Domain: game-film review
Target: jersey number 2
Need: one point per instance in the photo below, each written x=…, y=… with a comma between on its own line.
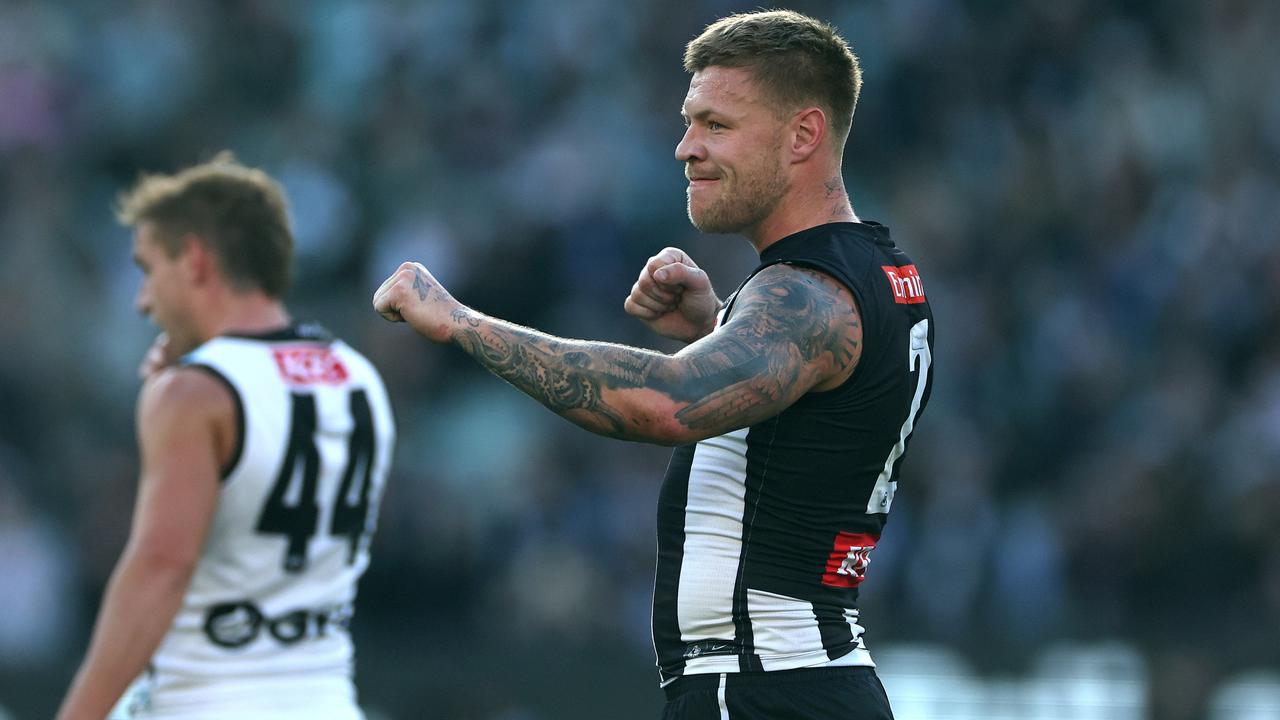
x=919, y=358
x=291, y=508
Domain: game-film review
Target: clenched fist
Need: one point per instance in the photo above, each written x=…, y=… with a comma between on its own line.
x=673, y=296
x=413, y=296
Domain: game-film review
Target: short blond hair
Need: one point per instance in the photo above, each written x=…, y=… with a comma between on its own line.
x=239, y=212
x=793, y=57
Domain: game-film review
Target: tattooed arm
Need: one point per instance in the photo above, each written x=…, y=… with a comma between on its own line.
x=793, y=330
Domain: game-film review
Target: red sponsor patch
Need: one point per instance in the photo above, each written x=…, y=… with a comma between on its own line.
x=310, y=365
x=847, y=565
x=905, y=281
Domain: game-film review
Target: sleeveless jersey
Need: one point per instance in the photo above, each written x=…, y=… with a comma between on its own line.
x=273, y=592
x=765, y=533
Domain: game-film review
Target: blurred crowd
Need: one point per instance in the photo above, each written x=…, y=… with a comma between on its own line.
x=1091, y=190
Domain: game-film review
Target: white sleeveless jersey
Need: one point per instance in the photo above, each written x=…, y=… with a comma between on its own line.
x=269, y=603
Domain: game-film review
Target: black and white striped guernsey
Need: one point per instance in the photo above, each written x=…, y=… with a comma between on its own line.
x=764, y=533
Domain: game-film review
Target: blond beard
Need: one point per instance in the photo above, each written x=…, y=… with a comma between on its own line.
x=745, y=209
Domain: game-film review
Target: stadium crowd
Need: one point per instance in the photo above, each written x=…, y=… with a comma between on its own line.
x=1091, y=191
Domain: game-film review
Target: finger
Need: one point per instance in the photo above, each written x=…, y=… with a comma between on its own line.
x=676, y=255
x=651, y=305
x=635, y=309
x=147, y=367
x=686, y=277
x=384, y=305
x=405, y=271
x=665, y=257
x=388, y=313
x=391, y=279
x=648, y=287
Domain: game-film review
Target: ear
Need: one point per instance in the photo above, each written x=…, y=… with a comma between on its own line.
x=198, y=263
x=808, y=131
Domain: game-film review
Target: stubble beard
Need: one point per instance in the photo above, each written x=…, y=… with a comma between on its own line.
x=738, y=212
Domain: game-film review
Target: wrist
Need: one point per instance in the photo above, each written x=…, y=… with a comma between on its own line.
x=462, y=321
x=712, y=317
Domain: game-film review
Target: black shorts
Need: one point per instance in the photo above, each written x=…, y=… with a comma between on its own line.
x=834, y=693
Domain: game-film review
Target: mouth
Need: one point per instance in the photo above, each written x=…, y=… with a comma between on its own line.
x=702, y=182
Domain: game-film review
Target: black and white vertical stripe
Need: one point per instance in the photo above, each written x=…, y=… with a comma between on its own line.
x=707, y=619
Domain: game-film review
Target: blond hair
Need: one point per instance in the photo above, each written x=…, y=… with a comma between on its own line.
x=794, y=58
x=238, y=212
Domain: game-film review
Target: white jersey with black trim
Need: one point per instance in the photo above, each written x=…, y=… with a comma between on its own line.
x=265, y=617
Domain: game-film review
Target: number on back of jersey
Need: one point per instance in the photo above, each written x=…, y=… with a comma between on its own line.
x=292, y=510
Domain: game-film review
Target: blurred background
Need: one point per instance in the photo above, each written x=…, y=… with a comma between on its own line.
x=1088, y=523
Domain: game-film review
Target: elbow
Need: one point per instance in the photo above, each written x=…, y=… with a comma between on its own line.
x=671, y=432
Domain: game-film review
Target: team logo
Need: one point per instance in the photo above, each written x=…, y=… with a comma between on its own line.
x=847, y=564
x=905, y=281
x=310, y=366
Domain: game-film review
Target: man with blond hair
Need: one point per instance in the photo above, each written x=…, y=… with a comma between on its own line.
x=264, y=448
x=792, y=405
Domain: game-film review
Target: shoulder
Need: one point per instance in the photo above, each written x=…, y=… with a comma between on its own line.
x=185, y=391
x=795, y=292
x=808, y=309
x=353, y=357
x=800, y=282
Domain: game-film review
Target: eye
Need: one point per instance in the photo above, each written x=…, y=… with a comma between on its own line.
x=713, y=125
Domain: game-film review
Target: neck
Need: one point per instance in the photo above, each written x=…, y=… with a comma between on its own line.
x=241, y=312
x=809, y=203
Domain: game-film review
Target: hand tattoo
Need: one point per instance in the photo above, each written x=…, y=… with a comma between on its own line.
x=421, y=284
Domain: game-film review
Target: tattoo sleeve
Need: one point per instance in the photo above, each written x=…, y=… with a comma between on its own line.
x=792, y=329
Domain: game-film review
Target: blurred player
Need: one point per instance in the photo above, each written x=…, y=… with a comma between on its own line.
x=264, y=447
x=792, y=405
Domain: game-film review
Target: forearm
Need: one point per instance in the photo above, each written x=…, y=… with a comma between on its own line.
x=609, y=389
x=141, y=600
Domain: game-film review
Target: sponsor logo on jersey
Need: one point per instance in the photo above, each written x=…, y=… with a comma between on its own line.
x=236, y=624
x=708, y=647
x=847, y=564
x=905, y=281
x=233, y=625
x=310, y=366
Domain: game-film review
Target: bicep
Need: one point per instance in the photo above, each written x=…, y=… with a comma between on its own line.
x=792, y=331
x=178, y=428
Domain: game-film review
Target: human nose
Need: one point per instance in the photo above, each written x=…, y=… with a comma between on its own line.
x=690, y=148
x=142, y=301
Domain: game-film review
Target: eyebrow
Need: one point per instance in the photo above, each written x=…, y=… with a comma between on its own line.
x=701, y=114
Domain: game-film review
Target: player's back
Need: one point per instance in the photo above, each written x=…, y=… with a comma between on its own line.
x=263, y=625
